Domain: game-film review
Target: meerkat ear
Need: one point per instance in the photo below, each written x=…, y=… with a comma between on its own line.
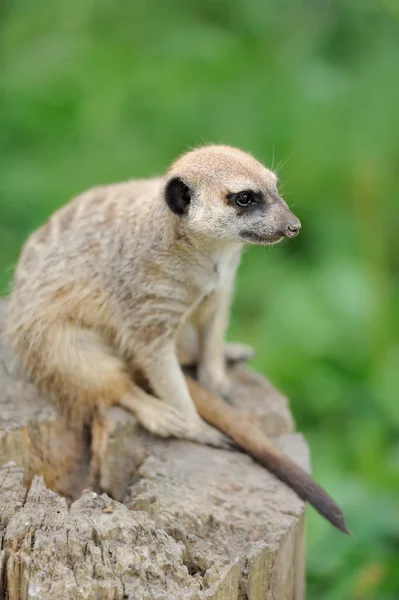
x=178, y=196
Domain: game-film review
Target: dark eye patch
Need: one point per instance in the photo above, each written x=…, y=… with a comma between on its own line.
x=244, y=198
x=245, y=201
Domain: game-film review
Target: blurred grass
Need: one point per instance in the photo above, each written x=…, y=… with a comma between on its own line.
x=94, y=92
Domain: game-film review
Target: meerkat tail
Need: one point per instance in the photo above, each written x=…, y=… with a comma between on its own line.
x=247, y=435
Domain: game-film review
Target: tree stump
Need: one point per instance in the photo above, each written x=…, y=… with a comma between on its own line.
x=178, y=521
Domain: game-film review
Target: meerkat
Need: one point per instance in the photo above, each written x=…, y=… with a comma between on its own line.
x=103, y=290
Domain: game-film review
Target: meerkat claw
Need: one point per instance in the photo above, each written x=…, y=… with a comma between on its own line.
x=210, y=436
x=227, y=399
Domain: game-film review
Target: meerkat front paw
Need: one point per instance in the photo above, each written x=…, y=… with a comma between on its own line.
x=217, y=382
x=216, y=379
x=236, y=353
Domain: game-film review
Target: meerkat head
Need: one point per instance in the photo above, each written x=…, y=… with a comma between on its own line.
x=222, y=193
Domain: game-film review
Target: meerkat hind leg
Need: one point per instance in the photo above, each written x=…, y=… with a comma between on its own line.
x=99, y=443
x=153, y=414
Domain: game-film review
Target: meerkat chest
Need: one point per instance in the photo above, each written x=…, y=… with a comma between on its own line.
x=223, y=268
x=220, y=271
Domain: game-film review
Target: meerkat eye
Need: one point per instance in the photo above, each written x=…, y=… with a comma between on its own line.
x=244, y=198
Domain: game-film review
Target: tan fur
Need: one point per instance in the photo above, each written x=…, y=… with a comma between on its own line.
x=104, y=288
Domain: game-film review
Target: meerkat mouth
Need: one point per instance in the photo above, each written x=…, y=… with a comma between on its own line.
x=256, y=238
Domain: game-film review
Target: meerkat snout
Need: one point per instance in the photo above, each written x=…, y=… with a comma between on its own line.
x=270, y=222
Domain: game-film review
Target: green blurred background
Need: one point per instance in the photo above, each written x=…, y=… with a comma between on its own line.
x=95, y=91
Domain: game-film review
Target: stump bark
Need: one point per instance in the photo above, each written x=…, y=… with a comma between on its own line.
x=178, y=520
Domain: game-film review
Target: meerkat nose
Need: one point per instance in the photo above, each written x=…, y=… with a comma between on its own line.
x=293, y=229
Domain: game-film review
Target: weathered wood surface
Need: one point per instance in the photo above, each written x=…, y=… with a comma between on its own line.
x=180, y=521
